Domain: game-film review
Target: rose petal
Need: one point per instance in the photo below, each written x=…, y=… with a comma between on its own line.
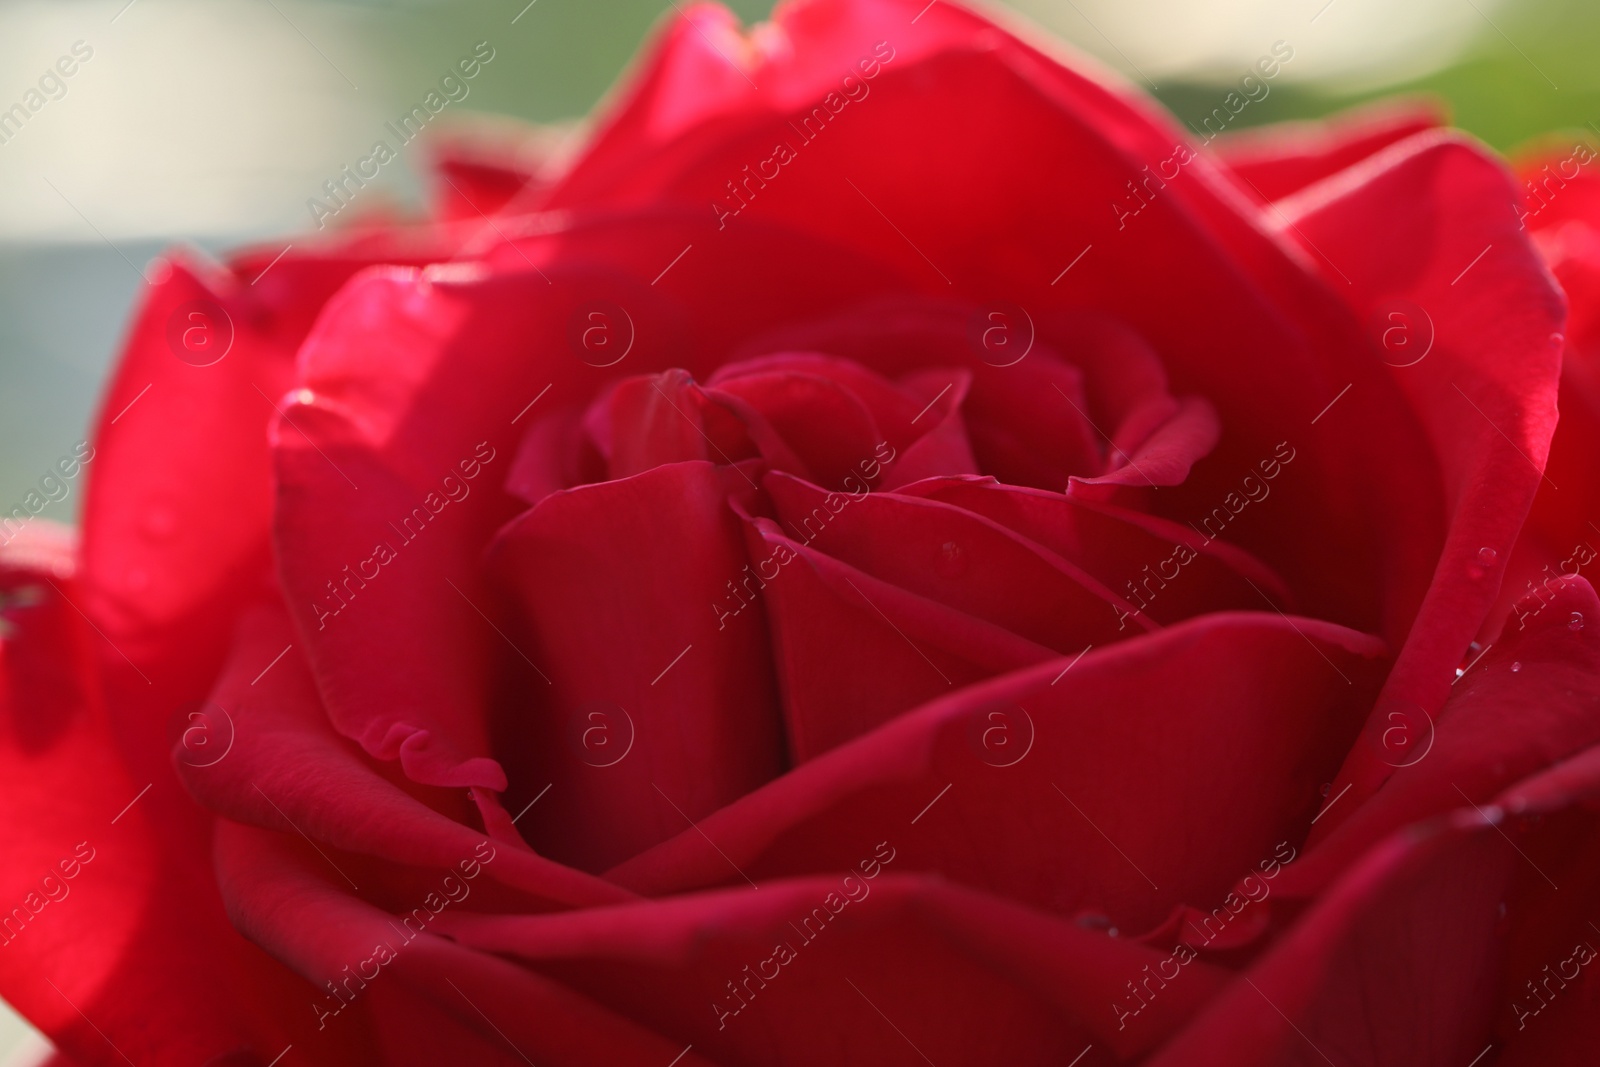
x=648, y=421
x=380, y=513
x=905, y=648
x=945, y=448
x=1438, y=944
x=1128, y=800
x=1251, y=326
x=646, y=695
x=1394, y=965
x=994, y=982
x=1489, y=415
x=177, y=511
x=827, y=427
x=1532, y=700
x=1282, y=158
x=109, y=914
x=284, y=768
x=1127, y=551
x=330, y=936
x=955, y=557
x=1165, y=441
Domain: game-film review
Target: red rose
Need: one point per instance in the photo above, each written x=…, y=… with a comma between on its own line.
x=894, y=552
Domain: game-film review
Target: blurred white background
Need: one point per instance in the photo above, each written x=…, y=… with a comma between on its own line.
x=217, y=119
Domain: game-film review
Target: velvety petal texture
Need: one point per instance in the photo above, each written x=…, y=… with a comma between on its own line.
x=881, y=548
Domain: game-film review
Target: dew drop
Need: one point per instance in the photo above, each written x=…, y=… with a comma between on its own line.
x=160, y=523
x=1575, y=621
x=1093, y=920
x=1327, y=787
x=951, y=561
x=25, y=596
x=1487, y=556
x=1515, y=667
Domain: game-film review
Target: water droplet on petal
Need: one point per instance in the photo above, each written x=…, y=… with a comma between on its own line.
x=1327, y=787
x=160, y=523
x=25, y=596
x=1575, y=622
x=1487, y=556
x=1093, y=920
x=1515, y=667
x=951, y=561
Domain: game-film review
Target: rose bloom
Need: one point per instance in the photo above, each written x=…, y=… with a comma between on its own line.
x=889, y=549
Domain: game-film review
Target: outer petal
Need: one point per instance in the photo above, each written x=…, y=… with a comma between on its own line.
x=177, y=515
x=1547, y=1017
x=1563, y=214
x=962, y=976
x=383, y=507
x=484, y=1004
x=1487, y=392
x=179, y=500
x=1396, y=965
x=1448, y=940
x=284, y=768
x=1531, y=701
x=1282, y=158
x=112, y=930
x=1435, y=907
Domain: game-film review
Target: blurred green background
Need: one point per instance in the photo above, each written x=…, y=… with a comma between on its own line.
x=1528, y=68
x=212, y=121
